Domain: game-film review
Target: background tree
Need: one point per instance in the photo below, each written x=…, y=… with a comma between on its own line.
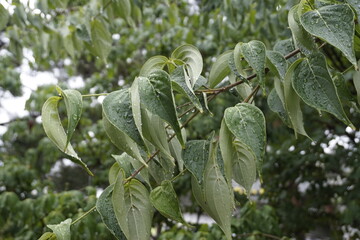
x=106, y=44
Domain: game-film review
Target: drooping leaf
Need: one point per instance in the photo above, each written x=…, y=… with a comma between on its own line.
x=74, y=105
x=247, y=123
x=220, y=69
x=132, y=207
x=181, y=83
x=277, y=63
x=154, y=131
x=313, y=83
x=62, y=230
x=325, y=24
x=120, y=124
x=55, y=131
x=195, y=156
x=101, y=39
x=4, y=17
x=276, y=105
x=156, y=95
x=254, y=53
x=105, y=208
x=176, y=152
x=153, y=63
x=302, y=38
x=135, y=105
x=356, y=80
x=192, y=59
x=292, y=101
x=218, y=196
x=239, y=160
x=165, y=200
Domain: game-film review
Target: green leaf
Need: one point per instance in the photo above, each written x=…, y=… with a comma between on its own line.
x=4, y=17
x=220, y=69
x=176, y=152
x=254, y=53
x=124, y=161
x=356, y=5
x=195, y=156
x=247, y=123
x=192, y=59
x=334, y=24
x=302, y=39
x=133, y=209
x=122, y=8
x=292, y=101
x=105, y=209
x=136, y=106
x=48, y=236
x=154, y=131
x=120, y=125
x=239, y=160
x=62, y=230
x=156, y=95
x=218, y=196
x=161, y=168
x=74, y=105
x=113, y=172
x=165, y=200
x=55, y=131
x=276, y=105
x=277, y=63
x=101, y=39
x=313, y=83
x=69, y=45
x=153, y=63
x=181, y=83
x=356, y=80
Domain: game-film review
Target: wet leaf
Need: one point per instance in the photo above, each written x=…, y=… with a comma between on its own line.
x=312, y=82
x=74, y=105
x=133, y=209
x=154, y=131
x=165, y=200
x=334, y=24
x=302, y=38
x=254, y=53
x=220, y=69
x=120, y=125
x=276, y=105
x=156, y=96
x=105, y=209
x=292, y=101
x=195, y=156
x=247, y=123
x=239, y=160
x=277, y=63
x=55, y=131
x=192, y=59
x=62, y=230
x=153, y=63
x=181, y=83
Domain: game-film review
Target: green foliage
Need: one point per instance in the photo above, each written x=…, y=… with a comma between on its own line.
x=169, y=152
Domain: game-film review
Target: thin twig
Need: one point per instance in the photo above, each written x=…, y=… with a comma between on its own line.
x=84, y=215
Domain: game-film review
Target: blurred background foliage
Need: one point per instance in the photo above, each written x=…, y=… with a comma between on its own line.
x=310, y=188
